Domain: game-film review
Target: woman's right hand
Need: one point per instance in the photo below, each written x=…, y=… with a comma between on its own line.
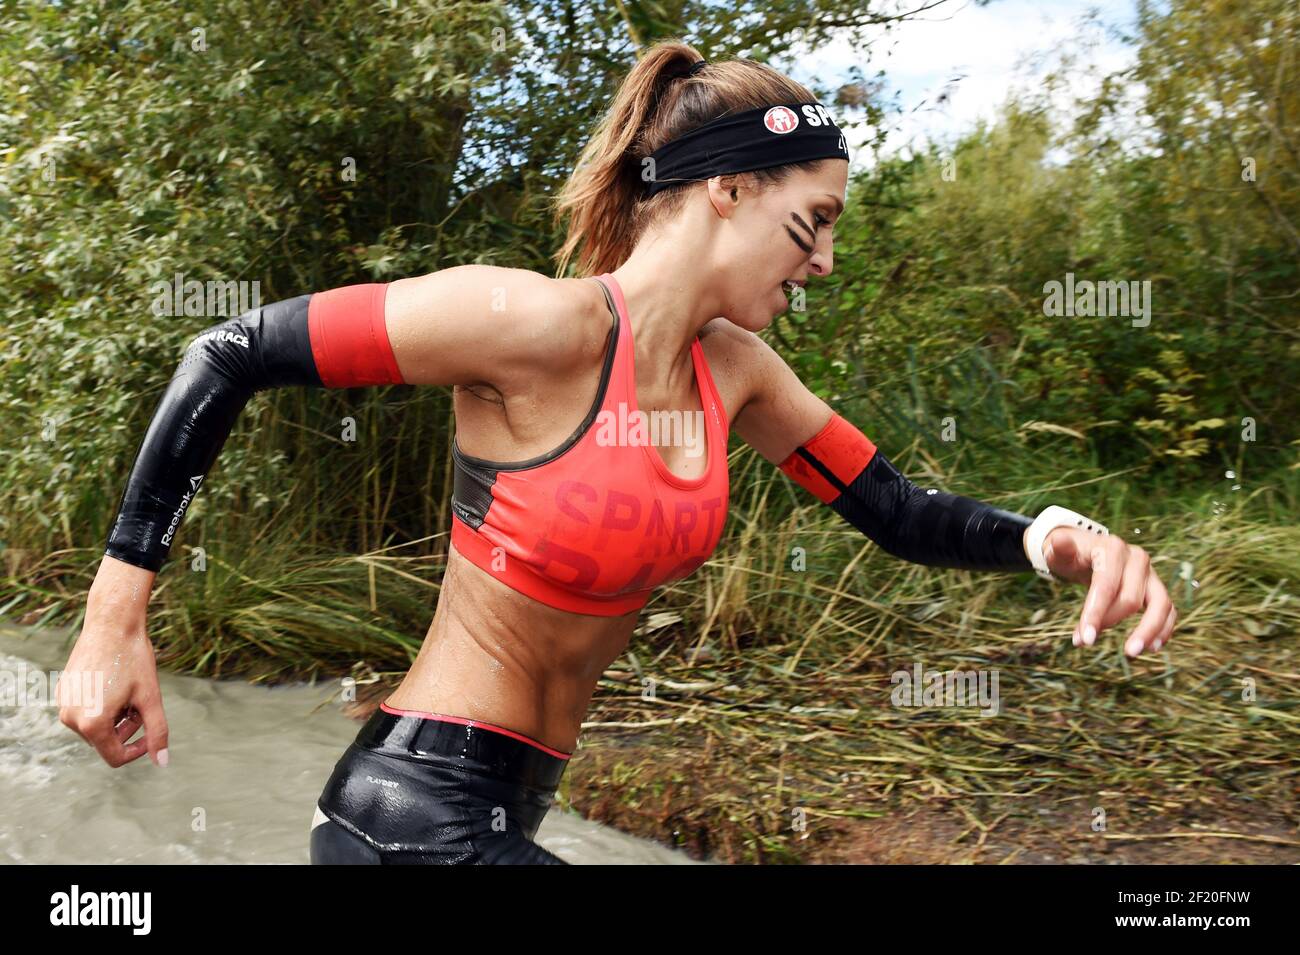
x=109, y=687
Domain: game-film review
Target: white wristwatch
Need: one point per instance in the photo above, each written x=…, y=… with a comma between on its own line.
x=1052, y=517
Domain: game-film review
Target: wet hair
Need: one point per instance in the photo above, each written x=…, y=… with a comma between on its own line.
x=604, y=196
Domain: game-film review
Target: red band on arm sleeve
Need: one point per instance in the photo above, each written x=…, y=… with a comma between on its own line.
x=839, y=448
x=349, y=340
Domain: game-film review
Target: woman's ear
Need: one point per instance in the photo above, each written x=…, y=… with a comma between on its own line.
x=719, y=188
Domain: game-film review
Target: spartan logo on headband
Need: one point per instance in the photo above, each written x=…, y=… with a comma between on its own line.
x=744, y=141
x=779, y=119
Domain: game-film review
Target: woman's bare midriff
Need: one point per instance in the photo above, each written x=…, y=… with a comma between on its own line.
x=497, y=655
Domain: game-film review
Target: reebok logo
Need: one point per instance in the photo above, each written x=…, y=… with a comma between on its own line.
x=180, y=511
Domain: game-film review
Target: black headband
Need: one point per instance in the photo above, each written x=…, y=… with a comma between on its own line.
x=757, y=138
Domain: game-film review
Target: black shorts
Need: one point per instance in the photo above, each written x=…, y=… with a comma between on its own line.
x=429, y=789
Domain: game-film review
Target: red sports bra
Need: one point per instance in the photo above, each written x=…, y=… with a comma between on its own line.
x=596, y=524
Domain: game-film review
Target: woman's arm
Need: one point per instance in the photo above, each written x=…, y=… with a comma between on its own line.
x=466, y=324
x=841, y=467
x=797, y=431
x=469, y=324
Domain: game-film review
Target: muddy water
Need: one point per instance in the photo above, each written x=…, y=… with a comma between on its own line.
x=247, y=764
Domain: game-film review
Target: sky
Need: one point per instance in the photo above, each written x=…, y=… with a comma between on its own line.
x=980, y=54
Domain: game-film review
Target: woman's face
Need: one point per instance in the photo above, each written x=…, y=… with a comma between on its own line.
x=780, y=233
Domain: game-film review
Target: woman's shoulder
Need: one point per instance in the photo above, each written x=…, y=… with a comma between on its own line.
x=565, y=319
x=574, y=313
x=489, y=324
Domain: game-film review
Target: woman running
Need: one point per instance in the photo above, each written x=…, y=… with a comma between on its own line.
x=706, y=190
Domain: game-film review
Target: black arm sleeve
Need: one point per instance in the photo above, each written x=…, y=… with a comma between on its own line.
x=929, y=526
x=842, y=467
x=221, y=369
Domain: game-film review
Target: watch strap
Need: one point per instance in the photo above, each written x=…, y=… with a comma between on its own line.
x=1052, y=517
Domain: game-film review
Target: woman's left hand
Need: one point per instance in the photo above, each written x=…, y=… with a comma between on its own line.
x=1121, y=582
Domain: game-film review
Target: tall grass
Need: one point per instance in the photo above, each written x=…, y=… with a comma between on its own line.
x=762, y=665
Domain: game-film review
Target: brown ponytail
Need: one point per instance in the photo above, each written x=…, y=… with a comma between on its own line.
x=604, y=195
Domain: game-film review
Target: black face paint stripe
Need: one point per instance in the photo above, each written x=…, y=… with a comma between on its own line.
x=799, y=219
x=794, y=237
